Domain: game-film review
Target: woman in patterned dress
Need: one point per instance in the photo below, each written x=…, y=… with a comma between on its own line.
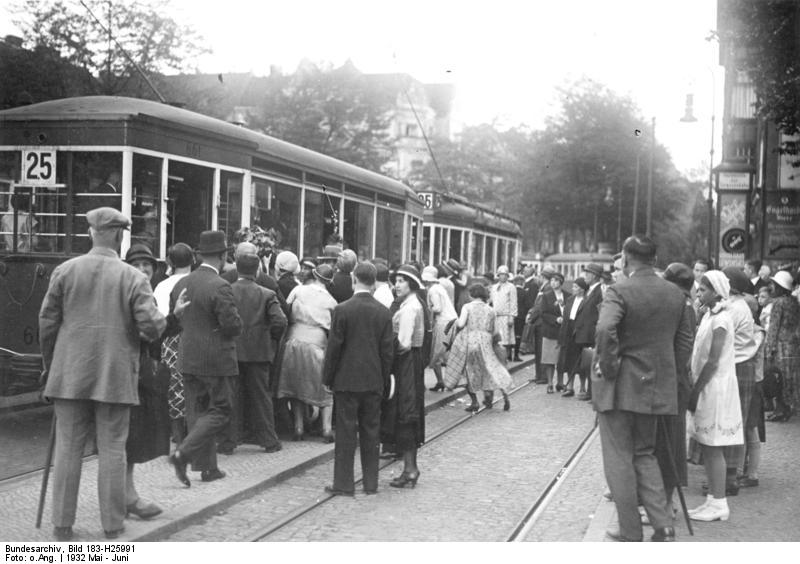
x=503, y=298
x=304, y=351
x=477, y=326
x=783, y=344
x=715, y=413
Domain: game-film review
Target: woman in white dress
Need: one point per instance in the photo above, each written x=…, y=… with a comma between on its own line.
x=715, y=416
x=444, y=316
x=503, y=299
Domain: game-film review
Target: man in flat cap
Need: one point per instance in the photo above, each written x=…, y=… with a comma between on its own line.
x=587, y=315
x=95, y=310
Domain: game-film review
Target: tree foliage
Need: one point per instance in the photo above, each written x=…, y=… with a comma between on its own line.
x=337, y=112
x=156, y=43
x=764, y=35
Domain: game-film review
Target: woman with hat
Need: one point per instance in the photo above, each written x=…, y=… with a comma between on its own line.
x=552, y=312
x=342, y=286
x=715, y=419
x=570, y=350
x=304, y=351
x=288, y=266
x=149, y=430
x=444, y=314
x=307, y=266
x=783, y=344
x=403, y=417
x=503, y=298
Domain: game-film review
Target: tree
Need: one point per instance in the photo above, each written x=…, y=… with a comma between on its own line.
x=154, y=42
x=337, y=112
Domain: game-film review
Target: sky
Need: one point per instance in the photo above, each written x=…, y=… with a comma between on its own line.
x=505, y=58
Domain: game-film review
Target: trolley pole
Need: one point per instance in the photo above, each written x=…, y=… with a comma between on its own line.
x=650, y=180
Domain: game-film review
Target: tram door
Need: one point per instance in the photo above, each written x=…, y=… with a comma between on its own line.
x=189, y=202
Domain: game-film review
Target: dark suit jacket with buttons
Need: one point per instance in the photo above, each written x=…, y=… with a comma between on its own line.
x=586, y=317
x=210, y=325
x=360, y=346
x=644, y=336
x=263, y=321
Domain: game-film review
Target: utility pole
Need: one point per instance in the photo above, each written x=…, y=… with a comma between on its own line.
x=650, y=180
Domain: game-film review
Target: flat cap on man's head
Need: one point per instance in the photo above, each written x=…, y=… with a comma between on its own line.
x=594, y=268
x=107, y=218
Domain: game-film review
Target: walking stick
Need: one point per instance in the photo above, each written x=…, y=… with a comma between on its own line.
x=46, y=476
x=671, y=456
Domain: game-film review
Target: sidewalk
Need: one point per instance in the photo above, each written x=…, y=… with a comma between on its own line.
x=769, y=512
x=248, y=470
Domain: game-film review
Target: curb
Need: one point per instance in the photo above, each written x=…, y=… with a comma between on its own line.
x=204, y=509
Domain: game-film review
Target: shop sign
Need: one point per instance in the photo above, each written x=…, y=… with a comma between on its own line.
x=782, y=225
x=733, y=181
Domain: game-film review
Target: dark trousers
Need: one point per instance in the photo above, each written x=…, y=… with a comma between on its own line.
x=537, y=350
x=208, y=410
x=256, y=402
x=356, y=412
x=628, y=441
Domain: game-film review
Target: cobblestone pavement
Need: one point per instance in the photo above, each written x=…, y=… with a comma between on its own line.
x=476, y=482
x=769, y=512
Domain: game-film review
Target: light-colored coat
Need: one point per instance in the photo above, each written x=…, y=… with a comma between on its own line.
x=90, y=323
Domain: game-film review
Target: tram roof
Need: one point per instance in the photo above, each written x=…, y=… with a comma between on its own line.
x=579, y=257
x=112, y=108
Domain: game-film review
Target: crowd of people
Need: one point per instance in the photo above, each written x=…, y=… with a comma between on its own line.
x=219, y=353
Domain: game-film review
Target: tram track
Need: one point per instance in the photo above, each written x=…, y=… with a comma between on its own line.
x=521, y=529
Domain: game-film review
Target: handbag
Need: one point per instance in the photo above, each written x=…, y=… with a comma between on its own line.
x=527, y=340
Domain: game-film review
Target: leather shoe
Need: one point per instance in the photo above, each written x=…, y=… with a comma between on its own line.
x=227, y=451
x=328, y=438
x=371, y=492
x=146, y=511
x=745, y=482
x=667, y=534
x=211, y=475
x=330, y=490
x=273, y=448
x=568, y=394
x=614, y=534
x=63, y=534
x=179, y=464
x=114, y=533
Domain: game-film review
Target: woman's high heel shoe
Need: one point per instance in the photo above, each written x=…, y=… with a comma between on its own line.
x=405, y=479
x=439, y=387
x=507, y=405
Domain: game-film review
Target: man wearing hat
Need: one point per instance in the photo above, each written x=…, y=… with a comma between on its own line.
x=534, y=318
x=342, y=286
x=207, y=359
x=91, y=368
x=587, y=315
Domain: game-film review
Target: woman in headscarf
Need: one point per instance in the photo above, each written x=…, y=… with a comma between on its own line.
x=783, y=344
x=715, y=419
x=403, y=416
x=444, y=316
x=304, y=351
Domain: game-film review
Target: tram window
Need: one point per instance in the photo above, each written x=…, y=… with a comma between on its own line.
x=477, y=254
x=454, y=251
x=389, y=236
x=276, y=206
x=189, y=198
x=145, y=208
x=321, y=220
x=229, y=217
x=357, y=228
x=9, y=173
x=426, y=244
x=491, y=265
x=502, y=252
x=414, y=239
x=96, y=180
x=437, y=245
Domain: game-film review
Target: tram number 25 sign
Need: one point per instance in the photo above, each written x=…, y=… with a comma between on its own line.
x=38, y=167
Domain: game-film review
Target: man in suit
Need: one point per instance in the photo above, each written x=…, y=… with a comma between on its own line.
x=586, y=319
x=752, y=270
x=358, y=362
x=92, y=316
x=263, y=323
x=535, y=290
x=207, y=359
x=643, y=334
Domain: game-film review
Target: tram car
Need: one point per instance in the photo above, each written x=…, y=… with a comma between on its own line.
x=478, y=236
x=571, y=265
x=175, y=173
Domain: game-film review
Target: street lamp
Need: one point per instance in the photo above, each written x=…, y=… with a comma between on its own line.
x=689, y=118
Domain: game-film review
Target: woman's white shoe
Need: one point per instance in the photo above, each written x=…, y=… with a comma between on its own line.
x=717, y=510
x=709, y=499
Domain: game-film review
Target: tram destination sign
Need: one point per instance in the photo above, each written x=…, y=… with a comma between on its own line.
x=39, y=167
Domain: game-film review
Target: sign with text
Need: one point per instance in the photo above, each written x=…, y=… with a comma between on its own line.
x=733, y=181
x=39, y=167
x=732, y=228
x=789, y=177
x=783, y=225
x=429, y=199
